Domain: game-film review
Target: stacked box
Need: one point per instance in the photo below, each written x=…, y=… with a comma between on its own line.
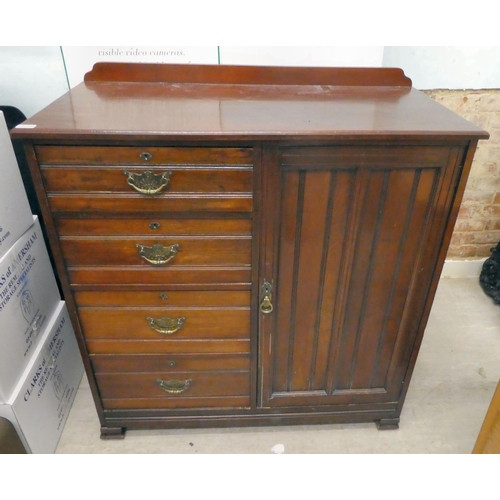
x=28, y=298
x=40, y=364
x=42, y=399
x=15, y=210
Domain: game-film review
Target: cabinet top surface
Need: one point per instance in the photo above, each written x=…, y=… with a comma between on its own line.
x=148, y=101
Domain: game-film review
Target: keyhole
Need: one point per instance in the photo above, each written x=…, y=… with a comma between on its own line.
x=154, y=225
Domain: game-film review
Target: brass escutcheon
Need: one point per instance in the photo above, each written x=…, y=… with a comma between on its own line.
x=174, y=386
x=148, y=182
x=266, y=306
x=166, y=326
x=158, y=254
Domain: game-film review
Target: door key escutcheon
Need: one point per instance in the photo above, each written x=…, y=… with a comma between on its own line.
x=266, y=306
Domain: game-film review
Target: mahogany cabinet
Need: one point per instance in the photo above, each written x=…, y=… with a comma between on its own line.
x=246, y=245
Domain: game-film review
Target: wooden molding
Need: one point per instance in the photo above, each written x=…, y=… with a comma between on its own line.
x=256, y=75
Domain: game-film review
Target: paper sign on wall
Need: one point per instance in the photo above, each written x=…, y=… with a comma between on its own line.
x=80, y=60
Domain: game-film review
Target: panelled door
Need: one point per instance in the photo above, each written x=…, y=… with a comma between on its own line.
x=351, y=240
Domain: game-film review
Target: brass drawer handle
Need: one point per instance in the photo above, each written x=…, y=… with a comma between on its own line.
x=148, y=182
x=158, y=254
x=174, y=386
x=166, y=326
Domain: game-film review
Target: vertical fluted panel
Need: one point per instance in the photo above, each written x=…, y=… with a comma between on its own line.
x=314, y=207
x=337, y=316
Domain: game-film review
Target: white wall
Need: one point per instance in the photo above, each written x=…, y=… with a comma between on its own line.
x=447, y=67
x=33, y=77
x=303, y=56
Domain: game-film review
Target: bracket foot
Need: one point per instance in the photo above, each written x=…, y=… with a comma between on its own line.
x=387, y=424
x=113, y=432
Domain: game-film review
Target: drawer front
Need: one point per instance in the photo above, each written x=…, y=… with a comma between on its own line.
x=95, y=203
x=171, y=389
x=144, y=371
x=183, y=389
x=178, y=403
x=169, y=346
x=134, y=363
x=154, y=227
x=149, y=252
x=161, y=276
x=173, y=180
x=130, y=179
x=155, y=324
x=161, y=299
x=117, y=155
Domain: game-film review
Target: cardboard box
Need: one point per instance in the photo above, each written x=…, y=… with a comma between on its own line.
x=28, y=298
x=15, y=210
x=42, y=400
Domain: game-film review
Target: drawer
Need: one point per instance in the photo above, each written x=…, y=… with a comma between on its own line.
x=164, y=276
x=178, y=403
x=169, y=363
x=156, y=252
x=133, y=204
x=118, y=179
x=118, y=155
x=164, y=298
x=169, y=346
x=165, y=385
x=138, y=180
x=165, y=323
x=153, y=227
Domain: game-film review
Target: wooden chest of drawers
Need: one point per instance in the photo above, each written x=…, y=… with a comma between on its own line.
x=187, y=343
x=243, y=246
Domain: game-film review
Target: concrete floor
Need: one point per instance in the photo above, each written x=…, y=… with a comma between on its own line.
x=454, y=379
